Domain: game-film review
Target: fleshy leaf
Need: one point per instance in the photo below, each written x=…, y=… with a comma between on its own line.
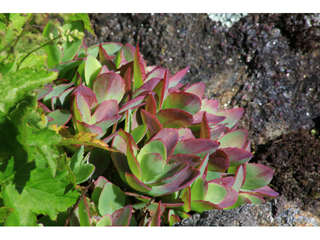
x=154, y=126
x=122, y=216
x=60, y=117
x=139, y=132
x=238, y=179
x=237, y=156
x=91, y=70
x=155, y=73
x=154, y=146
x=170, y=138
x=265, y=191
x=225, y=181
x=174, y=118
x=223, y=196
x=84, y=215
x=135, y=183
x=254, y=199
x=138, y=69
x=184, y=101
x=198, y=147
x=234, y=139
x=156, y=216
x=147, y=87
x=197, y=89
x=240, y=201
x=110, y=48
x=205, y=131
x=201, y=206
x=151, y=165
x=132, y=161
x=105, y=221
x=192, y=160
x=199, y=189
x=105, y=59
x=88, y=94
x=210, y=106
x=83, y=172
x=174, y=80
x=218, y=161
x=109, y=86
x=106, y=109
x=111, y=199
x=232, y=116
x=257, y=176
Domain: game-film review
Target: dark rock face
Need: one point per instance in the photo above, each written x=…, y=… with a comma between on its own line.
x=277, y=212
x=269, y=64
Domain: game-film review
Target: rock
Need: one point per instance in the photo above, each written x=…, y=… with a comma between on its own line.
x=277, y=212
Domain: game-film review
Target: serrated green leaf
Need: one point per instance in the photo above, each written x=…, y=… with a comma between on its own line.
x=4, y=213
x=16, y=86
x=42, y=194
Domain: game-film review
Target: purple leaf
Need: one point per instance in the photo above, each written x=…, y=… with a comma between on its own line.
x=105, y=58
x=175, y=183
x=42, y=92
x=188, y=102
x=225, y=181
x=234, y=139
x=88, y=95
x=158, y=72
x=218, y=161
x=80, y=108
x=138, y=69
x=199, y=147
x=104, y=69
x=170, y=137
x=254, y=199
x=237, y=156
x=192, y=160
x=84, y=127
x=174, y=118
x=185, y=133
x=197, y=89
x=122, y=216
x=257, y=176
x=210, y=106
x=204, y=132
x=156, y=216
x=212, y=119
x=154, y=126
x=265, y=191
x=134, y=103
x=106, y=109
x=232, y=116
x=147, y=87
x=109, y=86
x=151, y=105
x=216, y=131
x=136, y=184
x=127, y=82
x=106, y=123
x=174, y=80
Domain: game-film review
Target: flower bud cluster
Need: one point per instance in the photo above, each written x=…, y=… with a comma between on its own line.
x=67, y=36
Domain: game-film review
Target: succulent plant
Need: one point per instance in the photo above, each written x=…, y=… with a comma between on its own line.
x=171, y=152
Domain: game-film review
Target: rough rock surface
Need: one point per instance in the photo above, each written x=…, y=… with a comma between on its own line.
x=269, y=64
x=277, y=212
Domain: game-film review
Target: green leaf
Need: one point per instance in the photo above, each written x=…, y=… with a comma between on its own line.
x=70, y=49
x=199, y=189
x=76, y=158
x=151, y=165
x=83, y=172
x=4, y=213
x=53, y=51
x=105, y=221
x=91, y=70
x=257, y=176
x=155, y=146
x=111, y=199
x=34, y=60
x=83, y=17
x=139, y=132
x=42, y=194
x=16, y=86
x=84, y=215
